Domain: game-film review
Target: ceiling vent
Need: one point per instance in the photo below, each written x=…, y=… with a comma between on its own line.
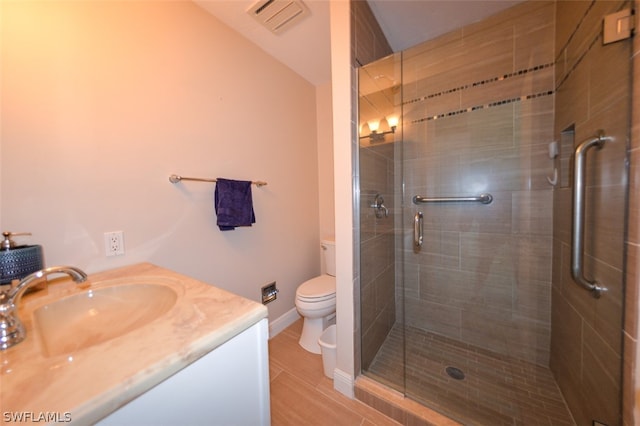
x=278, y=15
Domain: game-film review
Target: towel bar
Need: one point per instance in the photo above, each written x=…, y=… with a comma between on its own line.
x=178, y=178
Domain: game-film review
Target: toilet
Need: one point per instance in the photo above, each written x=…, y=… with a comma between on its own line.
x=316, y=301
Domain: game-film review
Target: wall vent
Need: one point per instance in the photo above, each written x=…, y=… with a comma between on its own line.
x=278, y=15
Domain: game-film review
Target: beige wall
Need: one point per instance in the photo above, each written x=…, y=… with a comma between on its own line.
x=326, y=203
x=102, y=101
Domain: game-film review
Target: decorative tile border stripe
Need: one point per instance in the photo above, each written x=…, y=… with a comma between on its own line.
x=485, y=106
x=480, y=83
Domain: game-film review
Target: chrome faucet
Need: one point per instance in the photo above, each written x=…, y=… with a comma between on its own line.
x=12, y=331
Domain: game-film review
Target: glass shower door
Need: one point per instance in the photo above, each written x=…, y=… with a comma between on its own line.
x=380, y=177
x=468, y=304
x=481, y=108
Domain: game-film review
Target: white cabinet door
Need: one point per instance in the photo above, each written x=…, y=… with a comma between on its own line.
x=229, y=386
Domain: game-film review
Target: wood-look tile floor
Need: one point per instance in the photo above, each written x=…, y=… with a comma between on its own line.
x=496, y=389
x=302, y=395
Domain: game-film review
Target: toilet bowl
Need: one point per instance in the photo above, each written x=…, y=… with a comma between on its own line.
x=316, y=301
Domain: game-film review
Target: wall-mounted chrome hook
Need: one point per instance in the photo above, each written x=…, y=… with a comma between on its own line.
x=379, y=208
x=553, y=181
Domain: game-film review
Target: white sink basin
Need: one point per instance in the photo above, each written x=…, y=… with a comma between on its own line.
x=97, y=315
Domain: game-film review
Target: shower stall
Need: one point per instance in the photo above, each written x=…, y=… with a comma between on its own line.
x=471, y=302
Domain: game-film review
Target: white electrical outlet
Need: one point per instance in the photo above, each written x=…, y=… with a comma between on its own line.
x=114, y=243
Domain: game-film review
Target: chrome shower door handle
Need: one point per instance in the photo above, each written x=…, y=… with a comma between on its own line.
x=579, y=182
x=418, y=237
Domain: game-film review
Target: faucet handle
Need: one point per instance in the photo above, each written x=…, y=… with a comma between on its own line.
x=7, y=242
x=12, y=331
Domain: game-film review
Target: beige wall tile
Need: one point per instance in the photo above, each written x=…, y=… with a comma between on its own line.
x=440, y=248
x=529, y=340
x=566, y=353
x=587, y=30
x=572, y=100
x=634, y=197
x=516, y=256
x=628, y=379
x=369, y=42
x=604, y=224
x=609, y=86
x=535, y=36
x=480, y=261
x=601, y=385
x=531, y=212
x=568, y=15
x=532, y=300
x=562, y=208
x=631, y=405
x=442, y=319
x=416, y=58
x=558, y=266
x=592, y=93
x=608, y=318
x=631, y=290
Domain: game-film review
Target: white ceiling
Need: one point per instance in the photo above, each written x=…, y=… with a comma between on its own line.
x=407, y=23
x=305, y=46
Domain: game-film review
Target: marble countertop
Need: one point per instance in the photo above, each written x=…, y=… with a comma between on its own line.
x=88, y=384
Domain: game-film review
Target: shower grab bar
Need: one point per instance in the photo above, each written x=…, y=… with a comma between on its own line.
x=418, y=237
x=482, y=198
x=579, y=180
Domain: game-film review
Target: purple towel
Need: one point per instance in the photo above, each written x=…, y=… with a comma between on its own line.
x=233, y=204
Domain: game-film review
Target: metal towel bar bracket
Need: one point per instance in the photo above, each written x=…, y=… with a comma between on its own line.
x=579, y=181
x=178, y=178
x=482, y=198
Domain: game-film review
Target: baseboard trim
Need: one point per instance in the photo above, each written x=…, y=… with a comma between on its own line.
x=282, y=322
x=343, y=383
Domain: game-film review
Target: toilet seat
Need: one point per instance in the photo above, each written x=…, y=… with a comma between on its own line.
x=317, y=289
x=316, y=299
x=315, y=308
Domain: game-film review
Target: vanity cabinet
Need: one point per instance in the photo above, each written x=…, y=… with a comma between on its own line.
x=227, y=386
x=201, y=360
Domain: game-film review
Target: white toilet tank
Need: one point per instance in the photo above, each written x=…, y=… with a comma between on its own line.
x=329, y=252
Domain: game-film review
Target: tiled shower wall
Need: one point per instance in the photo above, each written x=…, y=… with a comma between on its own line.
x=592, y=92
x=370, y=40
x=478, y=117
x=377, y=277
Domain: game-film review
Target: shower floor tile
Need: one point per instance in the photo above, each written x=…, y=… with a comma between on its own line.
x=495, y=390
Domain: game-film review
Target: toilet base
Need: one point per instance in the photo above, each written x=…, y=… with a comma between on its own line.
x=312, y=328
